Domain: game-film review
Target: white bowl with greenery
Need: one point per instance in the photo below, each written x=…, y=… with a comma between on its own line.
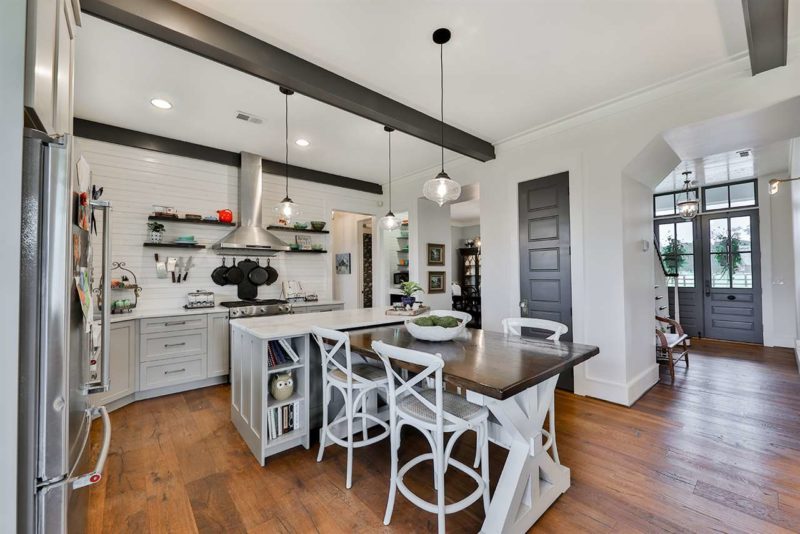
x=438, y=325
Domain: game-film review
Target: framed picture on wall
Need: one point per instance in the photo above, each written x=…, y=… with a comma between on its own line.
x=435, y=254
x=343, y=263
x=436, y=281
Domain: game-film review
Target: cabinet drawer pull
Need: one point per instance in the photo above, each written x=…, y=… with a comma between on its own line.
x=181, y=370
x=174, y=323
x=175, y=344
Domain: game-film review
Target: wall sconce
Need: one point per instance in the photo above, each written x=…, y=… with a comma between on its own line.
x=775, y=183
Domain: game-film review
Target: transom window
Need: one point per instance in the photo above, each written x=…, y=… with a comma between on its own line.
x=676, y=244
x=664, y=204
x=723, y=197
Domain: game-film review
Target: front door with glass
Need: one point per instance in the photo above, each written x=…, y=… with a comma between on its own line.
x=732, y=277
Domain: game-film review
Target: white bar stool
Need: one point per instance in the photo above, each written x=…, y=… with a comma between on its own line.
x=513, y=326
x=433, y=412
x=361, y=379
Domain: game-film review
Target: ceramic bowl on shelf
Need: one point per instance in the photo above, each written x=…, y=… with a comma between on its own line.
x=318, y=225
x=294, y=246
x=316, y=246
x=435, y=332
x=300, y=226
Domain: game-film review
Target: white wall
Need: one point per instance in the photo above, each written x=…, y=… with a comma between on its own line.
x=135, y=179
x=428, y=223
x=12, y=57
x=794, y=190
x=595, y=148
x=777, y=264
x=344, y=239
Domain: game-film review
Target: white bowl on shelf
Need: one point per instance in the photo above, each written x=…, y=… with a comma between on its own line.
x=438, y=333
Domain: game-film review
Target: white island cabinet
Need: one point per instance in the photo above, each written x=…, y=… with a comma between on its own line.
x=251, y=401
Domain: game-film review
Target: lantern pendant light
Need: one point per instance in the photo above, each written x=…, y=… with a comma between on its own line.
x=689, y=208
x=442, y=188
x=286, y=209
x=390, y=221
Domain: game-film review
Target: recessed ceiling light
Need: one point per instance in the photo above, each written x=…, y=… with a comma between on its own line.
x=160, y=103
x=302, y=142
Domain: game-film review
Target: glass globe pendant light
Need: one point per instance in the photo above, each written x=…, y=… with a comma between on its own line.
x=390, y=221
x=442, y=188
x=286, y=209
x=689, y=208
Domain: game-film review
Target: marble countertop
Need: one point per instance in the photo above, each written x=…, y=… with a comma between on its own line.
x=160, y=312
x=170, y=312
x=297, y=325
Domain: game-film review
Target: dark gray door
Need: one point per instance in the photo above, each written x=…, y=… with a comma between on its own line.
x=732, y=277
x=544, y=251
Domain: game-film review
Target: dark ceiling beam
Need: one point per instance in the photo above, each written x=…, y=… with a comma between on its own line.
x=123, y=136
x=766, y=22
x=194, y=32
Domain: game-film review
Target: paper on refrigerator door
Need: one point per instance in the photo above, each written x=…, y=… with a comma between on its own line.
x=84, y=183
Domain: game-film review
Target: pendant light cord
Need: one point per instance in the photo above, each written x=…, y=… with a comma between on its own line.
x=286, y=140
x=390, y=171
x=441, y=96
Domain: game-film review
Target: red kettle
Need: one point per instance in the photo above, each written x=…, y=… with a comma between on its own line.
x=225, y=216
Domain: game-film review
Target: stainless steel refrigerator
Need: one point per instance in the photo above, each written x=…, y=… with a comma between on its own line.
x=62, y=360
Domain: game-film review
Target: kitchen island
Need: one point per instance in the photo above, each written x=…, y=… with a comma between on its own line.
x=513, y=377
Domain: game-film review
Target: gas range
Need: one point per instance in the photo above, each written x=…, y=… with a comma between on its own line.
x=256, y=308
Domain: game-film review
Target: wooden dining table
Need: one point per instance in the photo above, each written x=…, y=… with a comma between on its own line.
x=515, y=377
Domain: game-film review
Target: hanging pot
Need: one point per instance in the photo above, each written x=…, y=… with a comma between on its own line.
x=234, y=275
x=257, y=275
x=272, y=274
x=218, y=274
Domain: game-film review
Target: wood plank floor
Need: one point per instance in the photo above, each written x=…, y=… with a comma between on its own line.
x=717, y=452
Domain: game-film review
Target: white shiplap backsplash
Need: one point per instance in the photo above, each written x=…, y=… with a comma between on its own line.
x=135, y=179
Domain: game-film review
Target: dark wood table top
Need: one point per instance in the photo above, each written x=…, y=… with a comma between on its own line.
x=485, y=362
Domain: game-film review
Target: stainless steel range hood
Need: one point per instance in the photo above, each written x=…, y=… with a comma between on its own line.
x=250, y=235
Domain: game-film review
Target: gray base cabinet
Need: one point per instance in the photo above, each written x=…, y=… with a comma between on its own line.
x=123, y=364
x=219, y=343
x=164, y=355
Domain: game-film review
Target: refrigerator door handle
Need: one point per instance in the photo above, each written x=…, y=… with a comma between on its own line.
x=105, y=358
x=94, y=476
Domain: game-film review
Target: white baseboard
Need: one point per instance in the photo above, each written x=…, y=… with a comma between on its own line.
x=797, y=353
x=617, y=392
x=642, y=383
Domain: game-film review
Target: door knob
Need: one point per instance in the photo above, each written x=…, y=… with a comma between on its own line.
x=731, y=297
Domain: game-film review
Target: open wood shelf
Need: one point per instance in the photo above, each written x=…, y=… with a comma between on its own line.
x=174, y=245
x=312, y=251
x=277, y=228
x=195, y=221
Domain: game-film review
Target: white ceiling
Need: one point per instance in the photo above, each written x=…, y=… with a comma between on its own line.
x=512, y=65
x=730, y=166
x=117, y=75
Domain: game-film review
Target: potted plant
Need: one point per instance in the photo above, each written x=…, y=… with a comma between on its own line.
x=156, y=231
x=408, y=289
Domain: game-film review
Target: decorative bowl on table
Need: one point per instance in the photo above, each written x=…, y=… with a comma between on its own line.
x=318, y=225
x=300, y=226
x=436, y=327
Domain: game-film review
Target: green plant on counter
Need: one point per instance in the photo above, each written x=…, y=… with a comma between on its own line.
x=156, y=227
x=409, y=288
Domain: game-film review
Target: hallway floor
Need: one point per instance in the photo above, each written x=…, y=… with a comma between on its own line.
x=718, y=451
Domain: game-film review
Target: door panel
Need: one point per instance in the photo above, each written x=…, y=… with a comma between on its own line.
x=679, y=244
x=545, y=281
x=732, y=277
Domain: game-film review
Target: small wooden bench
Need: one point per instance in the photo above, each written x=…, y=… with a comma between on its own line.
x=671, y=347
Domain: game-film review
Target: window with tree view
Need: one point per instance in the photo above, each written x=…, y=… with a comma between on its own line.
x=731, y=253
x=676, y=244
